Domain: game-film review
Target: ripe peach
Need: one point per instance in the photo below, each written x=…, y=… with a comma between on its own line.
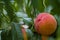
x=45, y=24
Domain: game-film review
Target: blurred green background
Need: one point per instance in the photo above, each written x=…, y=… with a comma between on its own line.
x=24, y=12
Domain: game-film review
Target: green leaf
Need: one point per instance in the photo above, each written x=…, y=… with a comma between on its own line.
x=27, y=21
x=29, y=10
x=55, y=4
x=1, y=11
x=36, y=36
x=29, y=34
x=58, y=26
x=38, y=4
x=10, y=11
x=16, y=32
x=6, y=35
x=19, y=4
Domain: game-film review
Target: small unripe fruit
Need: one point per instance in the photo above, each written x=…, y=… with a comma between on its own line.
x=24, y=34
x=45, y=24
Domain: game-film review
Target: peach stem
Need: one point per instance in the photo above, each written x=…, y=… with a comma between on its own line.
x=44, y=37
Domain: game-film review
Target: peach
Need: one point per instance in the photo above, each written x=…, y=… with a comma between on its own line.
x=45, y=23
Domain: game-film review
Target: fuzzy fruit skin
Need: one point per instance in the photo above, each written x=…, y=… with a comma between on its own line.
x=45, y=24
